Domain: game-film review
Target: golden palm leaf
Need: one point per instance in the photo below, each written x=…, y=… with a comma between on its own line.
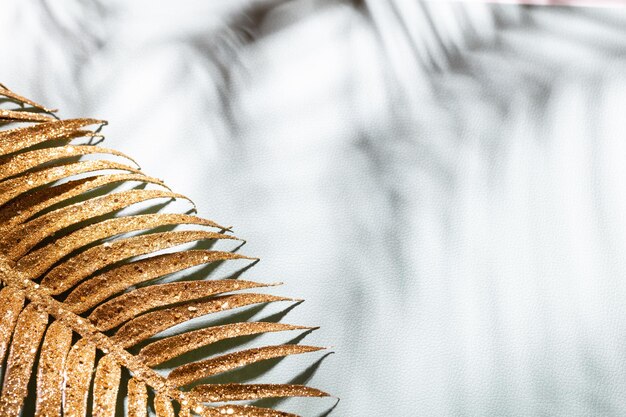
x=78, y=306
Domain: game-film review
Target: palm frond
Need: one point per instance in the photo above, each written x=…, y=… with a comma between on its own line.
x=81, y=300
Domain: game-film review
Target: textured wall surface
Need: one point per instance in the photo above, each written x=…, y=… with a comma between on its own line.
x=444, y=183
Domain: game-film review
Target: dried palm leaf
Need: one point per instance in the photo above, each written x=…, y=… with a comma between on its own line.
x=79, y=309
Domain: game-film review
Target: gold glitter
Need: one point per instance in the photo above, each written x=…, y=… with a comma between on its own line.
x=79, y=366
x=132, y=304
x=171, y=347
x=105, y=387
x=97, y=289
x=185, y=411
x=12, y=188
x=186, y=374
x=24, y=116
x=30, y=234
x=51, y=368
x=152, y=323
x=239, y=392
x=41, y=260
x=25, y=207
x=137, y=398
x=18, y=139
x=21, y=163
x=27, y=335
x=251, y=411
x=11, y=303
x=10, y=276
x=163, y=406
x=79, y=267
x=38, y=191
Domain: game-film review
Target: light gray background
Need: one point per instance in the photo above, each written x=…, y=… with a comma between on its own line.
x=444, y=183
